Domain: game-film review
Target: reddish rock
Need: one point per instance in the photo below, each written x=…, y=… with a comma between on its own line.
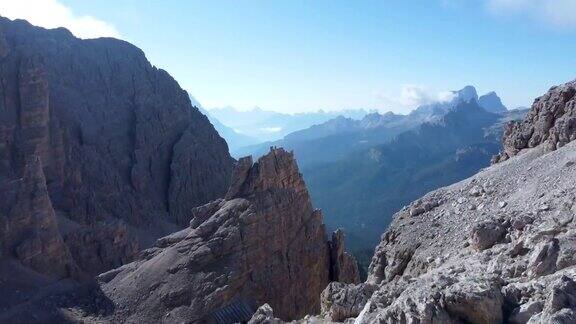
x=124, y=155
x=29, y=230
x=264, y=243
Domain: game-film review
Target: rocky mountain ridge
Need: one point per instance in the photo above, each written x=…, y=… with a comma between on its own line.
x=336, y=138
x=550, y=122
x=262, y=243
x=100, y=153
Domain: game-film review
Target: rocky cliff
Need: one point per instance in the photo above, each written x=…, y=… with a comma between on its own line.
x=100, y=152
x=495, y=248
x=262, y=243
x=551, y=122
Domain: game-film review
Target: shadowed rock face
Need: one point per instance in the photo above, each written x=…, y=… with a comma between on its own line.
x=551, y=121
x=491, y=102
x=100, y=152
x=263, y=243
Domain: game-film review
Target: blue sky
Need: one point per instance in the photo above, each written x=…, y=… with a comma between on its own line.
x=306, y=55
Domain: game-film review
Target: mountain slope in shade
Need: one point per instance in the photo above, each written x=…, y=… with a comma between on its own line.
x=492, y=103
x=101, y=154
x=234, y=139
x=262, y=243
x=363, y=190
x=337, y=137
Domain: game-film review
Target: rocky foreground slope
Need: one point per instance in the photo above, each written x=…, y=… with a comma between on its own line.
x=100, y=154
x=498, y=247
x=262, y=243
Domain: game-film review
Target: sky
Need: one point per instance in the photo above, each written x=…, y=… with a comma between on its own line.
x=295, y=56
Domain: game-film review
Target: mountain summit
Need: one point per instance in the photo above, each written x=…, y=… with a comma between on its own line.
x=101, y=154
x=465, y=94
x=492, y=103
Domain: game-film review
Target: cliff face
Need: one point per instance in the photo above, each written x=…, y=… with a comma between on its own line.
x=263, y=243
x=551, y=122
x=100, y=152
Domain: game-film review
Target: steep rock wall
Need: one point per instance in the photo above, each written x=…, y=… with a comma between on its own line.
x=124, y=156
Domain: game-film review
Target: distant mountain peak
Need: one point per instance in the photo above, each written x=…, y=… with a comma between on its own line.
x=465, y=94
x=375, y=119
x=492, y=103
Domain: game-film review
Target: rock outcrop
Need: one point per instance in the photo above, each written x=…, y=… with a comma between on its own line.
x=551, y=122
x=28, y=225
x=263, y=243
x=100, y=152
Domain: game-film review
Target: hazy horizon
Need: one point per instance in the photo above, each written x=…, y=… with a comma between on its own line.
x=334, y=55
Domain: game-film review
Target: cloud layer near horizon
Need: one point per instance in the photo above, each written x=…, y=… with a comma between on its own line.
x=413, y=96
x=53, y=14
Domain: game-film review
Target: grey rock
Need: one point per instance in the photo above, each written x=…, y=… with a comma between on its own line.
x=551, y=122
x=543, y=259
x=263, y=243
x=485, y=234
x=340, y=301
x=264, y=315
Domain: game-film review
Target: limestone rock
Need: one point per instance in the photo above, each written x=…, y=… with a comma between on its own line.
x=123, y=155
x=484, y=235
x=551, y=121
x=264, y=315
x=29, y=230
x=264, y=243
x=344, y=266
x=341, y=301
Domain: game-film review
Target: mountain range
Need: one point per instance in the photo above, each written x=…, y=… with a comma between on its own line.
x=264, y=125
x=361, y=191
x=494, y=248
x=234, y=139
x=338, y=137
x=360, y=172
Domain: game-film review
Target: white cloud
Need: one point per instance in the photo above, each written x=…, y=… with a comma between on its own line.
x=271, y=129
x=52, y=14
x=560, y=13
x=411, y=97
